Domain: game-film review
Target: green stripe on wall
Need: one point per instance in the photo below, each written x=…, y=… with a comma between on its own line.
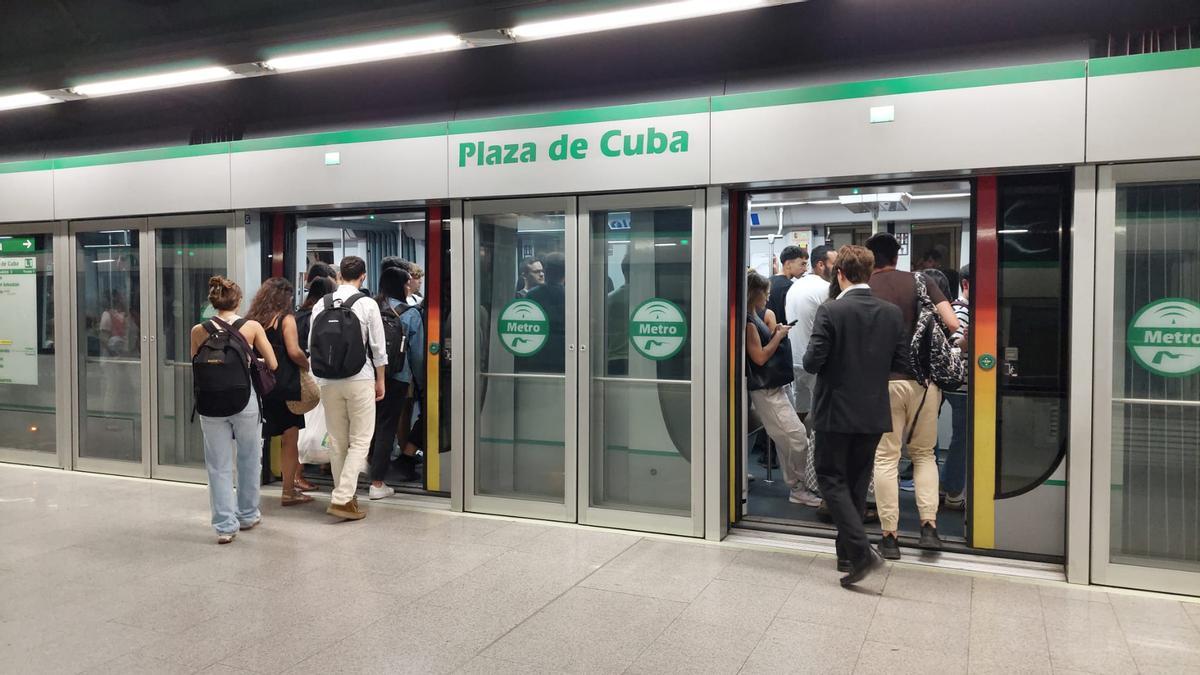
x=1057, y=483
x=1140, y=63
x=30, y=165
x=175, y=152
x=1064, y=70
x=588, y=115
x=340, y=137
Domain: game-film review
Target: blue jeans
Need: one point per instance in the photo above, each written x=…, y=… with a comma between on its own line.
x=954, y=473
x=226, y=438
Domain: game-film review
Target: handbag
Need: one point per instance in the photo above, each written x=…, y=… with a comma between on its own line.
x=310, y=395
x=260, y=375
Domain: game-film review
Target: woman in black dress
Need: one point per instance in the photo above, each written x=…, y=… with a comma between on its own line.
x=272, y=307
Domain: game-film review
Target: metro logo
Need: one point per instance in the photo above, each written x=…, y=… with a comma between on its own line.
x=1164, y=337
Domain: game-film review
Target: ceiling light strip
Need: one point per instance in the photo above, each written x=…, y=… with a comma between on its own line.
x=177, y=78
x=25, y=100
x=626, y=18
x=380, y=51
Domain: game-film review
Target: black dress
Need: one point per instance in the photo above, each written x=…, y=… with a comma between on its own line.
x=276, y=416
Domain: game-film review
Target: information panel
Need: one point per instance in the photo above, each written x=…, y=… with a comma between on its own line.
x=18, y=331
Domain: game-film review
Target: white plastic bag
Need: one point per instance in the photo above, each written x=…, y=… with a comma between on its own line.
x=314, y=439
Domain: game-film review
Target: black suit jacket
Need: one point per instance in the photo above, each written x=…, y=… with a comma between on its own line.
x=857, y=341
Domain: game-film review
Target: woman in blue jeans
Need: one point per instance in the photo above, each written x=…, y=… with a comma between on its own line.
x=237, y=437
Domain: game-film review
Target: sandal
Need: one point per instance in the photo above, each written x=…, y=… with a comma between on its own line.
x=304, y=486
x=295, y=497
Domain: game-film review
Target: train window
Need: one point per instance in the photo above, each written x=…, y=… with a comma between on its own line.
x=1033, y=329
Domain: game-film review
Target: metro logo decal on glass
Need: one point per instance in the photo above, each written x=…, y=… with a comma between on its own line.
x=523, y=327
x=1164, y=337
x=658, y=329
x=613, y=143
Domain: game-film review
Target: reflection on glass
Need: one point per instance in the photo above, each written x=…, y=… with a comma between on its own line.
x=27, y=343
x=640, y=290
x=109, y=320
x=521, y=356
x=186, y=259
x=1155, y=499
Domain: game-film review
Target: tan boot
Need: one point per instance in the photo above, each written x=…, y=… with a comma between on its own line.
x=348, y=511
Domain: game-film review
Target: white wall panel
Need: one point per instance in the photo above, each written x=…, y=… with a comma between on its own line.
x=26, y=196
x=980, y=127
x=1147, y=115
x=158, y=186
x=374, y=171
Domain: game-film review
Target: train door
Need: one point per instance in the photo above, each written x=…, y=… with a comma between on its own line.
x=1146, y=414
x=139, y=285
x=582, y=376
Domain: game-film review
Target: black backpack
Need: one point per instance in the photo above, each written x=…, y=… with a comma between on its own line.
x=221, y=382
x=395, y=336
x=335, y=341
x=931, y=350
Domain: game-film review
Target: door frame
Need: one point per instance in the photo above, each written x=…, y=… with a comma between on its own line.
x=692, y=525
x=1103, y=571
x=111, y=466
x=232, y=241
x=63, y=355
x=465, y=278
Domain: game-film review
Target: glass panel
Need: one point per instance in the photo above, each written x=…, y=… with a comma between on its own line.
x=1155, y=503
x=186, y=259
x=109, y=319
x=1033, y=330
x=27, y=343
x=520, y=361
x=640, y=289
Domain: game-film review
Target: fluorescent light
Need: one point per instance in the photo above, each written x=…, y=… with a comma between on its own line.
x=771, y=205
x=667, y=244
x=410, y=220
x=113, y=231
x=178, y=78
x=947, y=195
x=379, y=51
x=1011, y=231
x=26, y=100
x=106, y=260
x=624, y=18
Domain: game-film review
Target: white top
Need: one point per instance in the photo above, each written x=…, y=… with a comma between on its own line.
x=855, y=287
x=367, y=312
x=803, y=298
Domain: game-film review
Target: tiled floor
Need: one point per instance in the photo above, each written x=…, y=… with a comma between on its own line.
x=105, y=575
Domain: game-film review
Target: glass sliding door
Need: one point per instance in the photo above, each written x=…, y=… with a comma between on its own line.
x=641, y=357
x=520, y=296
x=28, y=369
x=187, y=251
x=110, y=340
x=1147, y=390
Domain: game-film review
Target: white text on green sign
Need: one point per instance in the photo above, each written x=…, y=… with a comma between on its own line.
x=523, y=327
x=1164, y=337
x=658, y=329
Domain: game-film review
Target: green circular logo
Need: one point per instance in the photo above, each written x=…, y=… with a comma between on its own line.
x=1164, y=337
x=434, y=348
x=523, y=327
x=658, y=329
x=987, y=361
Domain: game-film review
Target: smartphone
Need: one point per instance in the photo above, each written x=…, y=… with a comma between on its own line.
x=792, y=322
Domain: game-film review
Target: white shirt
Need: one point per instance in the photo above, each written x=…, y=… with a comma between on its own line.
x=803, y=298
x=367, y=312
x=855, y=287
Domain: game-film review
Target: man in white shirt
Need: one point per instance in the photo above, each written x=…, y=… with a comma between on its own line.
x=803, y=298
x=350, y=402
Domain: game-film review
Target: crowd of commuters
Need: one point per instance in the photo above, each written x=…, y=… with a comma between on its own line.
x=842, y=388
x=363, y=353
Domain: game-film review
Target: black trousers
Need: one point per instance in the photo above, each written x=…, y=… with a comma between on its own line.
x=387, y=419
x=844, y=463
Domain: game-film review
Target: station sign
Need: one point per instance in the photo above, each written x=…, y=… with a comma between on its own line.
x=1164, y=337
x=658, y=329
x=523, y=327
x=18, y=305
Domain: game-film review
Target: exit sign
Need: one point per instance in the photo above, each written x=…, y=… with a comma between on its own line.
x=18, y=245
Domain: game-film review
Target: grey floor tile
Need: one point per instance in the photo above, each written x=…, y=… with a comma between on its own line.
x=749, y=607
x=615, y=628
x=513, y=534
x=890, y=659
x=513, y=582
x=1073, y=592
x=1142, y=609
x=662, y=569
x=1193, y=611
x=481, y=665
x=1078, y=616
x=818, y=598
x=693, y=647
x=943, y=629
x=80, y=650
x=802, y=647
x=780, y=569
x=1001, y=596
x=1101, y=652
x=1156, y=645
x=138, y=665
x=569, y=543
x=1008, y=643
x=910, y=583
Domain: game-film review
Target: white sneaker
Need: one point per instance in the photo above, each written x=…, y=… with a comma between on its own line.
x=804, y=497
x=380, y=492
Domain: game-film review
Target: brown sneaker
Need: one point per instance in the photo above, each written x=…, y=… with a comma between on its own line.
x=348, y=511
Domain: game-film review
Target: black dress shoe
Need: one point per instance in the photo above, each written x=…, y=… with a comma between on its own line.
x=929, y=537
x=872, y=564
x=843, y=566
x=889, y=548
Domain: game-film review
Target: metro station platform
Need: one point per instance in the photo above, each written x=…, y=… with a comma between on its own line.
x=113, y=575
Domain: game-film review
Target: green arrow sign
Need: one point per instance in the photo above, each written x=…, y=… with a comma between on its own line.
x=18, y=245
x=987, y=361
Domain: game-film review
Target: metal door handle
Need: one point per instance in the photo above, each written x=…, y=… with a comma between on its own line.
x=583, y=348
x=571, y=347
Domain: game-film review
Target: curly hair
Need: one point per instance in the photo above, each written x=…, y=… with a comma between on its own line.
x=223, y=294
x=272, y=302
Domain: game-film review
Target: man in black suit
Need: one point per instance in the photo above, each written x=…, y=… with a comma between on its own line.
x=857, y=341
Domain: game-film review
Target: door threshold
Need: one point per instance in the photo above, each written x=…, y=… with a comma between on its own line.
x=945, y=560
